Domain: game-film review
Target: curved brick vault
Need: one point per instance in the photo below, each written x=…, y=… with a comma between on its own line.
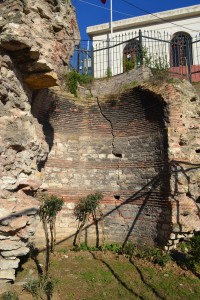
x=116, y=146
x=140, y=149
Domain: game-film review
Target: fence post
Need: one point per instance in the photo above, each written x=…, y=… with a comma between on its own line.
x=78, y=54
x=92, y=60
x=188, y=58
x=140, y=48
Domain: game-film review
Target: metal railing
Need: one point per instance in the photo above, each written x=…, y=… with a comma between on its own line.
x=179, y=54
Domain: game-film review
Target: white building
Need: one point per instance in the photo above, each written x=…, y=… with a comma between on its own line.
x=169, y=39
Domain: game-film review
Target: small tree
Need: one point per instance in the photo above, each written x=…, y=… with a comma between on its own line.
x=86, y=207
x=48, y=210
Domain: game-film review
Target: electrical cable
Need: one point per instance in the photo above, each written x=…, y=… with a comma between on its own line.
x=160, y=18
x=105, y=8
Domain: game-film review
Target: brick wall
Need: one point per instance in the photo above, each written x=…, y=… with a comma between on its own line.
x=140, y=149
x=117, y=146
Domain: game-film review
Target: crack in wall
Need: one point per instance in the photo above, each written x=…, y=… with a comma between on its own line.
x=111, y=125
x=112, y=143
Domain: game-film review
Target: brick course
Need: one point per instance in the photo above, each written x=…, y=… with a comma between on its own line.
x=116, y=146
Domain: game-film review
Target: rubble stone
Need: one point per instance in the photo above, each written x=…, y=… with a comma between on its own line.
x=37, y=39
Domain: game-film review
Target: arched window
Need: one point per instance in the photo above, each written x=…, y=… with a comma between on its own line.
x=131, y=55
x=181, y=49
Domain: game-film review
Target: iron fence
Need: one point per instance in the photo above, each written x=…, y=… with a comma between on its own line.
x=179, y=54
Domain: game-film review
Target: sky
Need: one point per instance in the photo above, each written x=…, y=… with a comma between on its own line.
x=94, y=12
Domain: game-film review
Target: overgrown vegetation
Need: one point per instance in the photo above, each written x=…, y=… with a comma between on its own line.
x=108, y=73
x=155, y=255
x=40, y=288
x=129, y=65
x=9, y=296
x=160, y=68
x=73, y=78
x=108, y=274
x=188, y=254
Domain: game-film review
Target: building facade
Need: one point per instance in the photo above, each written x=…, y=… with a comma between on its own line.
x=166, y=40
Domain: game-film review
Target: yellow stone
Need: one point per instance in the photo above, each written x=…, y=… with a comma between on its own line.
x=37, y=81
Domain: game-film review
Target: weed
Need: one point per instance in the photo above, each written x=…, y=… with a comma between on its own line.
x=62, y=250
x=33, y=287
x=129, y=65
x=155, y=255
x=188, y=254
x=129, y=249
x=85, y=79
x=48, y=287
x=161, y=64
x=39, y=287
x=116, y=248
x=160, y=69
x=108, y=73
x=72, y=82
x=9, y=296
x=106, y=276
x=130, y=85
x=73, y=78
x=79, y=258
x=89, y=276
x=84, y=247
x=195, y=247
x=184, y=247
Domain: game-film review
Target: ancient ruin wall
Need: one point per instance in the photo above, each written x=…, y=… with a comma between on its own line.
x=117, y=146
x=28, y=60
x=141, y=150
x=40, y=37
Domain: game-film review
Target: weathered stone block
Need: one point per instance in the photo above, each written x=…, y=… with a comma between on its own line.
x=8, y=275
x=6, y=264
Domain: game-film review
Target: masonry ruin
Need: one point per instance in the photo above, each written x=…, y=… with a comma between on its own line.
x=139, y=148
x=135, y=140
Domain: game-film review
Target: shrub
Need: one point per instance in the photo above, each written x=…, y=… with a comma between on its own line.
x=195, y=247
x=72, y=82
x=155, y=255
x=40, y=286
x=108, y=73
x=86, y=207
x=33, y=287
x=73, y=78
x=129, y=65
x=129, y=249
x=48, y=210
x=9, y=296
x=116, y=248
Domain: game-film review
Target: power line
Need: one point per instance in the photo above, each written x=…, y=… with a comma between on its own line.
x=105, y=8
x=160, y=18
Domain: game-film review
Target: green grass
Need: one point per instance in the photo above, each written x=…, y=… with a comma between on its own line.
x=93, y=275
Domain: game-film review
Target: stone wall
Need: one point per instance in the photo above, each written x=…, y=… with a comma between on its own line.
x=40, y=36
x=139, y=146
x=22, y=148
x=138, y=149
x=28, y=60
